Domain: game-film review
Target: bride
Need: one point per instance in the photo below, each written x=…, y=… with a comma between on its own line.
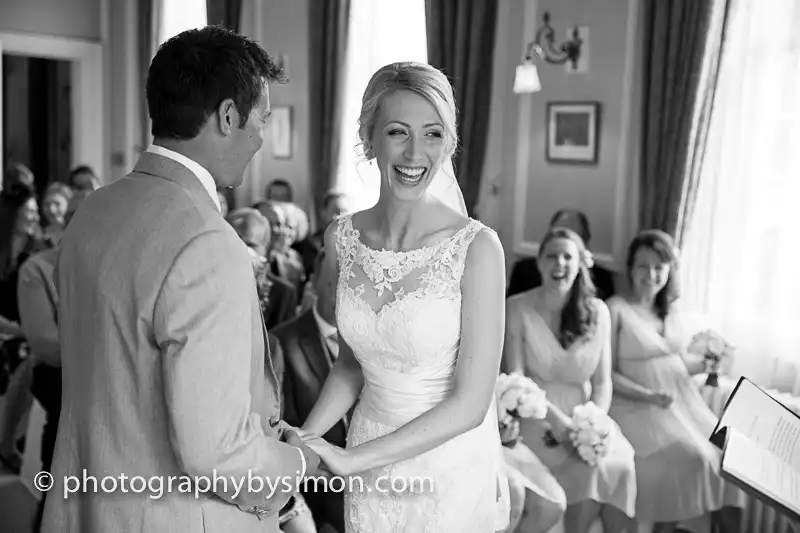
x=420, y=310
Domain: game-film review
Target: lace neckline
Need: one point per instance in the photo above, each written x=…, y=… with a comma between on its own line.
x=428, y=248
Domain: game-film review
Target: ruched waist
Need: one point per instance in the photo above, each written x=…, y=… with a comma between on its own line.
x=395, y=399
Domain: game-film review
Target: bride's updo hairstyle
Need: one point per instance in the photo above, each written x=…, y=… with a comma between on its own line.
x=420, y=78
x=579, y=316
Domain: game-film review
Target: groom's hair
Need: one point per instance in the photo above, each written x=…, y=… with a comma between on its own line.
x=193, y=72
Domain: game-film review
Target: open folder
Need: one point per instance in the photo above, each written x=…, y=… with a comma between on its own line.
x=760, y=442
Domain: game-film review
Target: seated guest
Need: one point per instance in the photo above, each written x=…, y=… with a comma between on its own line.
x=83, y=179
x=308, y=346
x=559, y=335
x=283, y=260
x=334, y=205
x=279, y=190
x=297, y=220
x=525, y=274
x=54, y=207
x=657, y=403
x=20, y=238
x=38, y=310
x=538, y=502
x=278, y=298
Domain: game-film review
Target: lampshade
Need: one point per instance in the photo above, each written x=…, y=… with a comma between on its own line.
x=527, y=79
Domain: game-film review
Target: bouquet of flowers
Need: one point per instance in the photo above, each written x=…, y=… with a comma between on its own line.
x=590, y=432
x=517, y=397
x=713, y=348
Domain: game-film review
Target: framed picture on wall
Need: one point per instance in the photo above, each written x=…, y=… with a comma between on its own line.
x=281, y=132
x=573, y=132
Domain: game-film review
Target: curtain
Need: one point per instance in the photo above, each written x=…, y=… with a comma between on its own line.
x=149, y=14
x=372, y=44
x=683, y=42
x=741, y=254
x=461, y=36
x=329, y=25
x=228, y=14
x=225, y=13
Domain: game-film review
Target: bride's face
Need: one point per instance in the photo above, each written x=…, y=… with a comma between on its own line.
x=409, y=144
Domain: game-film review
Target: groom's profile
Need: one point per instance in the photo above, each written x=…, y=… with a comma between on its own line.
x=166, y=400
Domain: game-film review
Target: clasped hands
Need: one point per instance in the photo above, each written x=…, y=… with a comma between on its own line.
x=330, y=460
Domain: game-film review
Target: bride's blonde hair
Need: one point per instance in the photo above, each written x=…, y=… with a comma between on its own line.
x=420, y=78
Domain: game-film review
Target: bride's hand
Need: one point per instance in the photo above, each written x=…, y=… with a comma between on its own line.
x=337, y=460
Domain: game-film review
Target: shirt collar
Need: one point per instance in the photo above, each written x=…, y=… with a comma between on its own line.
x=195, y=168
x=325, y=329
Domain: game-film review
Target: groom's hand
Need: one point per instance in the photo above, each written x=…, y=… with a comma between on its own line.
x=291, y=438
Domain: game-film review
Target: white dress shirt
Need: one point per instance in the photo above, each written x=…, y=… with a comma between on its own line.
x=195, y=168
x=326, y=330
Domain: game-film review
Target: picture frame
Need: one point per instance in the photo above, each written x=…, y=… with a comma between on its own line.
x=281, y=132
x=573, y=132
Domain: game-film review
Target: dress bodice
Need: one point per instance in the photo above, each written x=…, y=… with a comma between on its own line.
x=400, y=312
x=563, y=372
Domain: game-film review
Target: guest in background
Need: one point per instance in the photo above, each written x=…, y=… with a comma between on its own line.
x=657, y=403
x=308, y=346
x=284, y=261
x=20, y=237
x=525, y=275
x=334, y=205
x=278, y=298
x=83, y=179
x=559, y=335
x=297, y=220
x=17, y=173
x=54, y=208
x=538, y=502
x=38, y=308
x=279, y=190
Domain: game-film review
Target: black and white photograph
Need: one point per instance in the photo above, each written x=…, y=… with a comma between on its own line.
x=399, y=266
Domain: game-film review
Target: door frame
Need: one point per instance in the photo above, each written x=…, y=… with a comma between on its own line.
x=88, y=126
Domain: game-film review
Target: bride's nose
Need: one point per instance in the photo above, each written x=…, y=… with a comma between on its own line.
x=413, y=149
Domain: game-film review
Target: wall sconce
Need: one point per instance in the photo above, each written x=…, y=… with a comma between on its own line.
x=544, y=47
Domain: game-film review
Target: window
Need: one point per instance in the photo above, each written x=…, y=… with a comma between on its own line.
x=180, y=15
x=381, y=32
x=742, y=252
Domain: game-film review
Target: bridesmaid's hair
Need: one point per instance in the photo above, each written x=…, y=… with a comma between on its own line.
x=579, y=316
x=664, y=247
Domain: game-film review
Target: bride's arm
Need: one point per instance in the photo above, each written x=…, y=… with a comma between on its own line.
x=482, y=325
x=345, y=380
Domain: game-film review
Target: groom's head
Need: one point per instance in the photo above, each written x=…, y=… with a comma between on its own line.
x=208, y=98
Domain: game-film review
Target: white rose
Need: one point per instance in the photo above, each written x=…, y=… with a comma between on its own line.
x=587, y=454
x=716, y=346
x=501, y=411
x=510, y=399
x=533, y=406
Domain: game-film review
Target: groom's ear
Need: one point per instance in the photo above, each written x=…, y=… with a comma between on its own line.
x=227, y=117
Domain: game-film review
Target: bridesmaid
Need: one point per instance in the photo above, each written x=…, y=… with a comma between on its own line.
x=656, y=402
x=559, y=335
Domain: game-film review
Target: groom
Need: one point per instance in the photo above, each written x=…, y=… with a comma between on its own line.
x=166, y=401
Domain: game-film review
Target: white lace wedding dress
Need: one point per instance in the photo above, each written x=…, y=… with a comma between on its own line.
x=400, y=312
